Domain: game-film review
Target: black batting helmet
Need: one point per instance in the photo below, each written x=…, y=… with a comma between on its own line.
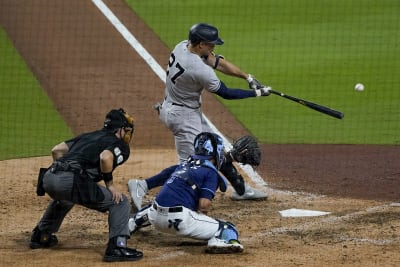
x=204, y=32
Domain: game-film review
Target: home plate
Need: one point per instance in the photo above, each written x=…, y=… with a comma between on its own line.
x=302, y=213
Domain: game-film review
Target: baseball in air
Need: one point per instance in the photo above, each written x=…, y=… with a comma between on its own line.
x=359, y=87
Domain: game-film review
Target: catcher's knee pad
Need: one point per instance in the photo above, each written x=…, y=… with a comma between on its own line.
x=233, y=176
x=141, y=217
x=227, y=231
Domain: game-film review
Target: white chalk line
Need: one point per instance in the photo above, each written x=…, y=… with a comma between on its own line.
x=379, y=242
x=170, y=255
x=317, y=223
x=130, y=39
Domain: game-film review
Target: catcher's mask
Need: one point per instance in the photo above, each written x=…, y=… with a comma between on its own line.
x=209, y=146
x=117, y=119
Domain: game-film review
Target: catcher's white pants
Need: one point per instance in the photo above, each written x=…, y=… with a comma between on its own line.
x=185, y=223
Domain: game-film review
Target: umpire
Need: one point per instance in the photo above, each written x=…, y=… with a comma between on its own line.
x=79, y=164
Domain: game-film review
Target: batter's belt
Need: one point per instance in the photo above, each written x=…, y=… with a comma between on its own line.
x=179, y=105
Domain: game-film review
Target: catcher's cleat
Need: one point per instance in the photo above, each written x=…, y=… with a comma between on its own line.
x=218, y=246
x=250, y=194
x=137, y=189
x=41, y=239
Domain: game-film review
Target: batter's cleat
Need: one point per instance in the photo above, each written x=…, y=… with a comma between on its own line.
x=41, y=239
x=250, y=194
x=137, y=189
x=122, y=254
x=157, y=107
x=219, y=246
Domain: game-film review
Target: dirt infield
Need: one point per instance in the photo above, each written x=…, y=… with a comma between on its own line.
x=87, y=68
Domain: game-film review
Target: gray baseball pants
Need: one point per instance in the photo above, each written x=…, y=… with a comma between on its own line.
x=59, y=187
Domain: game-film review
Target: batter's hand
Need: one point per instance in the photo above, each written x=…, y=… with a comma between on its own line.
x=253, y=83
x=263, y=91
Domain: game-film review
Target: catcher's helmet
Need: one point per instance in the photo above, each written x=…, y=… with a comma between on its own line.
x=204, y=32
x=209, y=146
x=118, y=118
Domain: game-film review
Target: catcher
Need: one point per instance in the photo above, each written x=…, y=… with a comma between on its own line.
x=181, y=206
x=244, y=150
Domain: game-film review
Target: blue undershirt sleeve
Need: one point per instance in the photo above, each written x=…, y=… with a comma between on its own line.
x=160, y=178
x=232, y=93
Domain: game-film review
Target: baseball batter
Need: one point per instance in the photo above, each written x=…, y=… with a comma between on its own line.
x=182, y=204
x=79, y=164
x=190, y=71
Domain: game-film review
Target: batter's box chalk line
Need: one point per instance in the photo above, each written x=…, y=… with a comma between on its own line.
x=327, y=221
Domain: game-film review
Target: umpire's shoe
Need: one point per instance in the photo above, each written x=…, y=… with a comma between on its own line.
x=119, y=252
x=40, y=239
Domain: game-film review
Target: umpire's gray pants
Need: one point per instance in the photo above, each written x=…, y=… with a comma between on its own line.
x=59, y=187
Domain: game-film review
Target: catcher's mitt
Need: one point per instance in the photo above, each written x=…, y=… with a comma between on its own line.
x=246, y=150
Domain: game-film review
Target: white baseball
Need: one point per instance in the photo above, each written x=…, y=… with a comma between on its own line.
x=359, y=87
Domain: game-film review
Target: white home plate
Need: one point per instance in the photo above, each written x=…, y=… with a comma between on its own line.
x=302, y=213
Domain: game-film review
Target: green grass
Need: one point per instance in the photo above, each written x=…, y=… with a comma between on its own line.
x=316, y=50
x=30, y=125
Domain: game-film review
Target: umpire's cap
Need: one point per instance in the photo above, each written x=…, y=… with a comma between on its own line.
x=118, y=118
x=204, y=32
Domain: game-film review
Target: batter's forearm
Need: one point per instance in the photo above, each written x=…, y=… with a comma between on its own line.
x=231, y=69
x=230, y=93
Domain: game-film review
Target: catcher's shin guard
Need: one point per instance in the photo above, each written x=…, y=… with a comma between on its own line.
x=233, y=176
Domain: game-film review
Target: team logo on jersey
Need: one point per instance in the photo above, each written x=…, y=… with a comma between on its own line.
x=175, y=223
x=120, y=159
x=117, y=151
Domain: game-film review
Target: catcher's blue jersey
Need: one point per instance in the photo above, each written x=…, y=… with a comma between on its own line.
x=187, y=184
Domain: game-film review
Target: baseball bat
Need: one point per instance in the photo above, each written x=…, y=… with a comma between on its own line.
x=314, y=106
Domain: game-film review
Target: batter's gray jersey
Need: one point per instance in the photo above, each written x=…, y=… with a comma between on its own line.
x=187, y=76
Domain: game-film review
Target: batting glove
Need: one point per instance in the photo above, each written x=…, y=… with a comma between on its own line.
x=253, y=83
x=263, y=91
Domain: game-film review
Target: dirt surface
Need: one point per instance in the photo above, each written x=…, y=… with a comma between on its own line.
x=87, y=68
